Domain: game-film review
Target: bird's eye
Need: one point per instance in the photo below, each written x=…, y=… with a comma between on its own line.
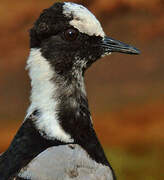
x=71, y=34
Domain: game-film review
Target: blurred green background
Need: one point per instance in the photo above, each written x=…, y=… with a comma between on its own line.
x=125, y=92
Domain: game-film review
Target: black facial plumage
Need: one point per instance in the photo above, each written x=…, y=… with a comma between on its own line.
x=48, y=34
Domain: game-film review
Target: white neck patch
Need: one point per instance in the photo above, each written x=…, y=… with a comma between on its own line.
x=42, y=97
x=83, y=19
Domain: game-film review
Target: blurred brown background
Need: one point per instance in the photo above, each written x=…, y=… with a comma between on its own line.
x=125, y=92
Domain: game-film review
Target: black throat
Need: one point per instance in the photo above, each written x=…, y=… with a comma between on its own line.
x=75, y=118
x=76, y=121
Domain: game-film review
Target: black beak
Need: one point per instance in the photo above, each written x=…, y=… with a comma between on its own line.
x=112, y=45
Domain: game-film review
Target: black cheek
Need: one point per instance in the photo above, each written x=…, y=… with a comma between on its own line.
x=61, y=55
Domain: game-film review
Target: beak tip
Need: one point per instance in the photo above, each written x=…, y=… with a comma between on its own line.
x=135, y=51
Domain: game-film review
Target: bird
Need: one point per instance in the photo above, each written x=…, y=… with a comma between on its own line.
x=57, y=140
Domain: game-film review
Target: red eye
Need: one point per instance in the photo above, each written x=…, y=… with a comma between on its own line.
x=71, y=34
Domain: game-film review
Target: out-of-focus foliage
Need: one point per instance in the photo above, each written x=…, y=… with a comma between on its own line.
x=137, y=162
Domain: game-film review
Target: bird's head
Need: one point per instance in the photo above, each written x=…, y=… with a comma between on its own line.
x=65, y=40
x=70, y=38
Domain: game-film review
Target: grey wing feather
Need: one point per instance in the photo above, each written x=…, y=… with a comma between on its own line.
x=65, y=162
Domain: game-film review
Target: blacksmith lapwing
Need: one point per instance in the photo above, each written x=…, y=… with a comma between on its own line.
x=57, y=140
